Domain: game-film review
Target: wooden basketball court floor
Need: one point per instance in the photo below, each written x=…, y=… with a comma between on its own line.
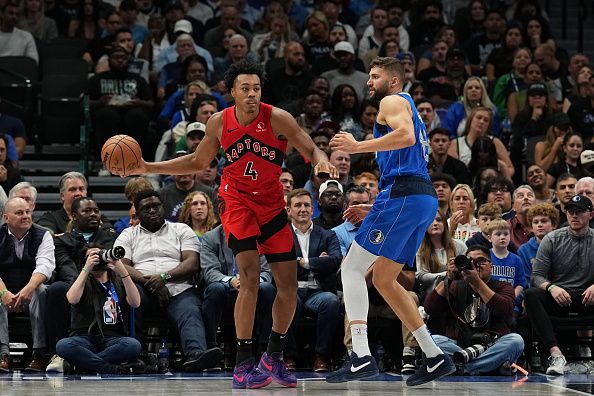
x=22, y=384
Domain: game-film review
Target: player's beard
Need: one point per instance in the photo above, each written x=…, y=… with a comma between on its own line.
x=380, y=93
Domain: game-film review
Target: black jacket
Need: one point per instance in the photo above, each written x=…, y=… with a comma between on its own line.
x=57, y=221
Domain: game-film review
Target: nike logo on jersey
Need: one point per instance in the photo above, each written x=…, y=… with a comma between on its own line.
x=354, y=369
x=432, y=369
x=229, y=130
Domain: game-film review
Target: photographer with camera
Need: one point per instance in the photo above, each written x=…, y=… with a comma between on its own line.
x=86, y=229
x=101, y=297
x=475, y=313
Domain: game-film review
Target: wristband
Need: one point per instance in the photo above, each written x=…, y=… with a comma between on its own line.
x=86, y=270
x=122, y=277
x=549, y=287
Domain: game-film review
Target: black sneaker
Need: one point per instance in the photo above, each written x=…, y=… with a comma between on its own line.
x=356, y=368
x=432, y=369
x=200, y=361
x=132, y=368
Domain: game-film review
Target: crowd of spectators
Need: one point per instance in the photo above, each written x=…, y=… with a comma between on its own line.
x=509, y=115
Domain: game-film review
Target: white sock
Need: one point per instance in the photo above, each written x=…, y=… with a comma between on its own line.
x=425, y=341
x=360, y=343
x=356, y=300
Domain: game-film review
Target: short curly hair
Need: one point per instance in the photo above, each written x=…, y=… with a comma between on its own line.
x=546, y=210
x=243, y=67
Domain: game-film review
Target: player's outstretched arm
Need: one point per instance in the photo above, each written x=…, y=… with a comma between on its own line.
x=394, y=112
x=198, y=160
x=284, y=124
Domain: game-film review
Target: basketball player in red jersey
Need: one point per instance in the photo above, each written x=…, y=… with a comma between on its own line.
x=254, y=136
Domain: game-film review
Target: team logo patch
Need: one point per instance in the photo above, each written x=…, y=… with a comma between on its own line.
x=376, y=237
x=260, y=127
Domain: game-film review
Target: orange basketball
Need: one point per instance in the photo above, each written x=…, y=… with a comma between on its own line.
x=121, y=154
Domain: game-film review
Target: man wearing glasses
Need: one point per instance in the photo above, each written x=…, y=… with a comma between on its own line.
x=473, y=315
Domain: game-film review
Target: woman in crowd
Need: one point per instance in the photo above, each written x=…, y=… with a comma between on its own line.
x=573, y=145
x=484, y=154
x=35, y=22
x=198, y=213
x=516, y=101
x=478, y=124
x=389, y=48
x=481, y=177
x=469, y=20
x=512, y=81
x=367, y=115
x=581, y=90
x=462, y=223
x=436, y=250
x=475, y=95
x=417, y=90
x=155, y=42
x=550, y=150
x=537, y=32
x=344, y=109
x=86, y=25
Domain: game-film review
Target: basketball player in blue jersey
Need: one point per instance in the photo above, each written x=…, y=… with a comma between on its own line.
x=393, y=229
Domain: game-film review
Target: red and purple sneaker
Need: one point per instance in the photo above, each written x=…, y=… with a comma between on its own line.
x=276, y=369
x=248, y=376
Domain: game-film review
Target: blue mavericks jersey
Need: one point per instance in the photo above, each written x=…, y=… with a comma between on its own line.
x=409, y=161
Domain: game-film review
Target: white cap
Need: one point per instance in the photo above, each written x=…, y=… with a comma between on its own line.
x=587, y=157
x=183, y=25
x=344, y=46
x=330, y=183
x=195, y=127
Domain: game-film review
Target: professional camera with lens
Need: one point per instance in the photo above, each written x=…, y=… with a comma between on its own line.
x=463, y=263
x=467, y=354
x=105, y=255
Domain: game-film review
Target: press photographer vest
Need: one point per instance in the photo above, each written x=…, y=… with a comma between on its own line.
x=16, y=272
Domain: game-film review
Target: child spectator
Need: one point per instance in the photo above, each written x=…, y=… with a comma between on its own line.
x=543, y=218
x=507, y=266
x=486, y=213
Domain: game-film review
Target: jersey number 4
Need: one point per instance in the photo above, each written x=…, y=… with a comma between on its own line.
x=250, y=172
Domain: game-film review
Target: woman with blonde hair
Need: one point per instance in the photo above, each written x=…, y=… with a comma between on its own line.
x=479, y=124
x=475, y=95
x=462, y=223
x=198, y=213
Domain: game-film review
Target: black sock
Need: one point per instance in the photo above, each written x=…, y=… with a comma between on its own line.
x=38, y=352
x=276, y=344
x=244, y=351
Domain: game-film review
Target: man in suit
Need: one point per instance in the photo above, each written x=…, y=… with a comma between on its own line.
x=318, y=259
x=221, y=283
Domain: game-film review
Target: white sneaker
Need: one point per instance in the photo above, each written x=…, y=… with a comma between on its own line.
x=56, y=365
x=556, y=365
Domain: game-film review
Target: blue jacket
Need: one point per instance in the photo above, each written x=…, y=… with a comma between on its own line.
x=324, y=268
x=527, y=253
x=456, y=114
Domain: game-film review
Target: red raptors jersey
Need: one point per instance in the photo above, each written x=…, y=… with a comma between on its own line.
x=254, y=153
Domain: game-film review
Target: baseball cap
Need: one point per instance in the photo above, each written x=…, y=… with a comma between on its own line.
x=183, y=25
x=344, y=46
x=579, y=202
x=587, y=157
x=455, y=52
x=196, y=128
x=561, y=120
x=406, y=55
x=537, y=89
x=329, y=183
